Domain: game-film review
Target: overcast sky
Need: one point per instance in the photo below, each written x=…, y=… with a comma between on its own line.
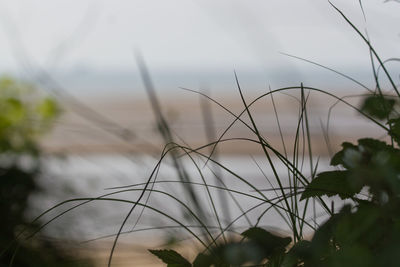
x=192, y=34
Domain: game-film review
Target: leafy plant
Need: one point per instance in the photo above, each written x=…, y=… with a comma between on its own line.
x=24, y=116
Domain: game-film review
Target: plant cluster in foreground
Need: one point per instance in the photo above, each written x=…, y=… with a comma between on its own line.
x=364, y=232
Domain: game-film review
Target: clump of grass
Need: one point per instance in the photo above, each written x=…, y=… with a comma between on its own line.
x=363, y=232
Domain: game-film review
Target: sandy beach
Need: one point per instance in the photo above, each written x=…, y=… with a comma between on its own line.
x=127, y=124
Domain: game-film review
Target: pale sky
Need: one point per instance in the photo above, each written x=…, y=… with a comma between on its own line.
x=192, y=34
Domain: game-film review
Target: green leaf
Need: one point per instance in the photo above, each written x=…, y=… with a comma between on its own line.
x=171, y=258
x=203, y=260
x=331, y=183
x=270, y=243
x=337, y=159
x=395, y=129
x=378, y=106
x=276, y=261
x=373, y=145
x=352, y=156
x=48, y=108
x=300, y=252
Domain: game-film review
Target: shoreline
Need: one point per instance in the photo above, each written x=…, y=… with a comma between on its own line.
x=127, y=125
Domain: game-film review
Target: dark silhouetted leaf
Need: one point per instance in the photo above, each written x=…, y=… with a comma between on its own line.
x=268, y=242
x=237, y=254
x=276, y=260
x=331, y=183
x=352, y=156
x=203, y=260
x=300, y=252
x=337, y=159
x=171, y=258
x=378, y=106
x=373, y=145
x=395, y=129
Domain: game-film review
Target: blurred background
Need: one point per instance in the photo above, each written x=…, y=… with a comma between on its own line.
x=92, y=57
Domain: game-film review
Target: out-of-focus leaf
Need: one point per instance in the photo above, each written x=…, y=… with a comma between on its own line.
x=270, y=243
x=299, y=253
x=237, y=254
x=337, y=159
x=171, y=258
x=350, y=256
x=330, y=184
x=378, y=106
x=203, y=260
x=48, y=108
x=24, y=115
x=373, y=145
x=276, y=260
x=352, y=156
x=395, y=129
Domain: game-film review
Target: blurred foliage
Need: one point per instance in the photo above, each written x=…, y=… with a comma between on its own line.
x=24, y=116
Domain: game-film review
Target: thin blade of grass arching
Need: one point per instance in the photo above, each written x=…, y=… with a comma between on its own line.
x=129, y=214
x=210, y=131
x=182, y=204
x=371, y=57
x=163, y=227
x=148, y=196
x=393, y=59
x=293, y=221
x=147, y=207
x=330, y=69
x=374, y=70
x=129, y=190
x=369, y=45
